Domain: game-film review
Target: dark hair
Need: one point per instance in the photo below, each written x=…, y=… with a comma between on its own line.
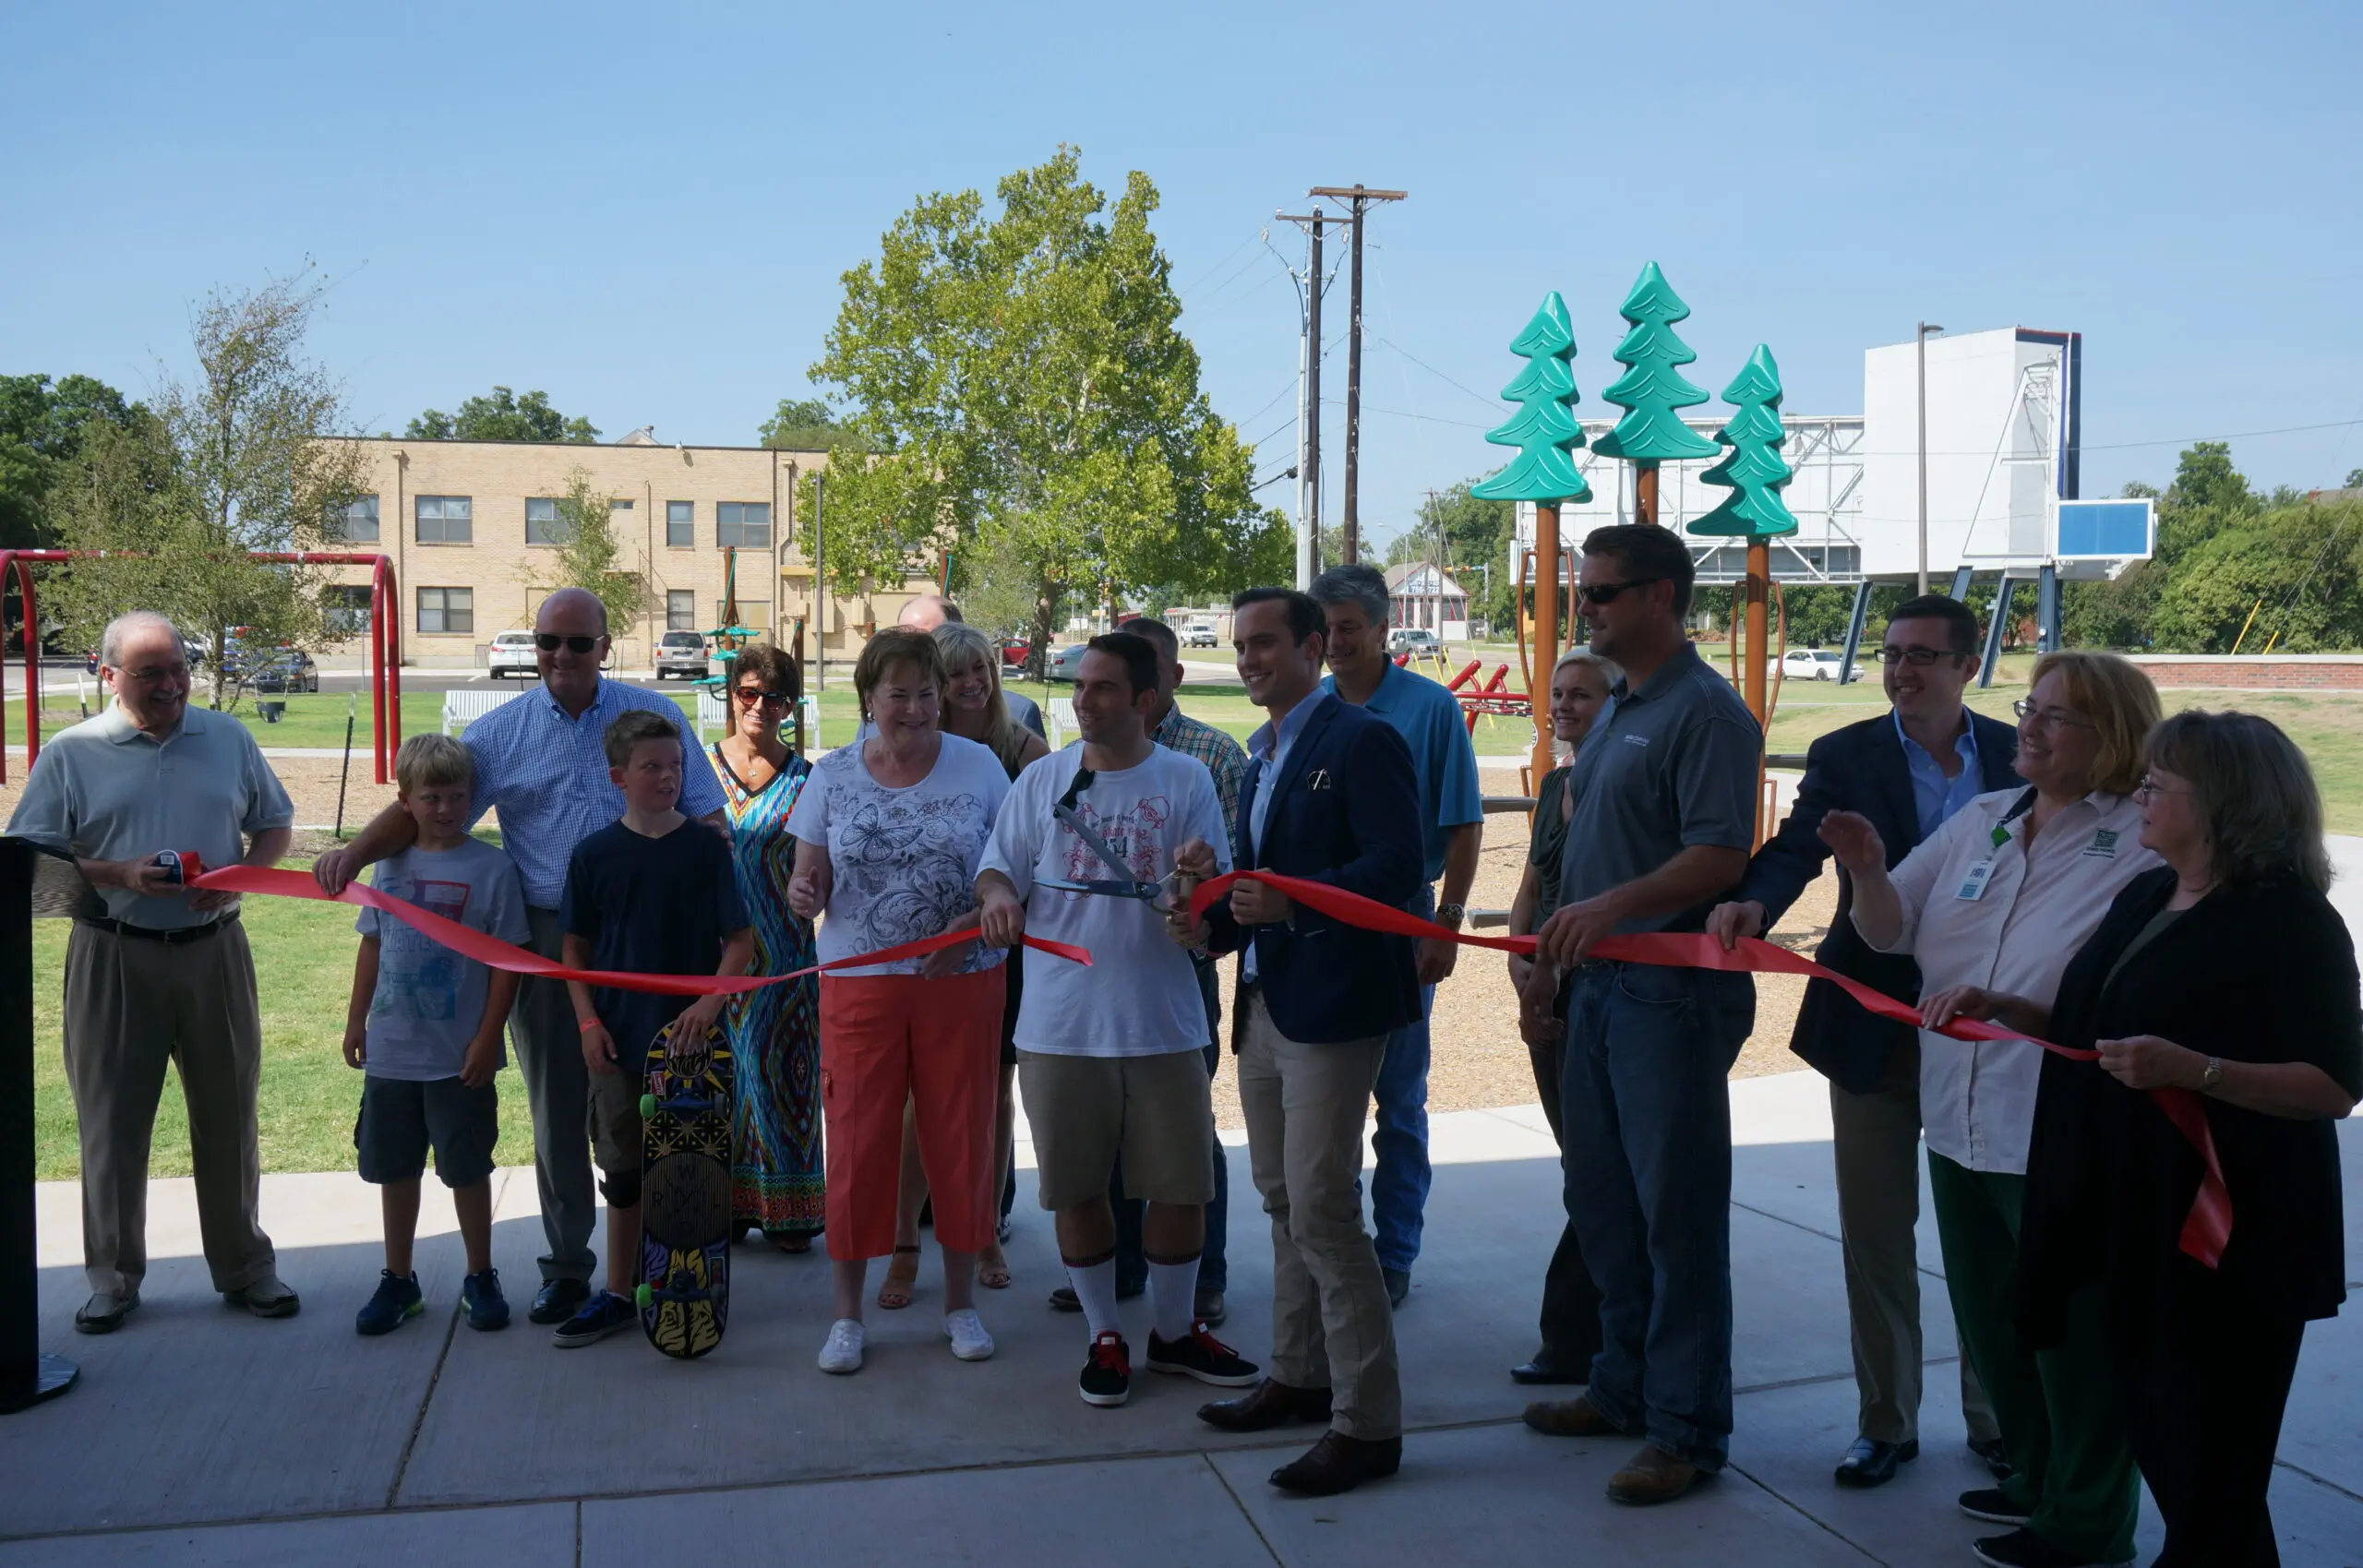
x=1160, y=636
x=773, y=666
x=1937, y=607
x=892, y=646
x=2254, y=791
x=1306, y=618
x=1141, y=664
x=630, y=729
x=1355, y=584
x=1643, y=549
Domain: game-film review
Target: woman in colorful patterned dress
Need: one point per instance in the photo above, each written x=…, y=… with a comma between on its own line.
x=776, y=1167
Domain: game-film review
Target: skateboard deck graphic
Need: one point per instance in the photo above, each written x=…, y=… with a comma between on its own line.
x=684, y=1294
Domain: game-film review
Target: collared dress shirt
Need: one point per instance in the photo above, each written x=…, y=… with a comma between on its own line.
x=1934, y=796
x=1269, y=747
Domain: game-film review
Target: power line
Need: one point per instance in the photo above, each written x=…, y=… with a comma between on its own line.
x=1407, y=353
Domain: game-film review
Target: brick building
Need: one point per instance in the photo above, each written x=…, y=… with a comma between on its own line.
x=468, y=525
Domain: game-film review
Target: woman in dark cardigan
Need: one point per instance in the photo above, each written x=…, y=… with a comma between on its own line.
x=2229, y=975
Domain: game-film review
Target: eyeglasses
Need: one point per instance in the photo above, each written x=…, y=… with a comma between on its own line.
x=2150, y=786
x=550, y=642
x=2054, y=718
x=751, y=695
x=1918, y=658
x=1603, y=592
x=155, y=674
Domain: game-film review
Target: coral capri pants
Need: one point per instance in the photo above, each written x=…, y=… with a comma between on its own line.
x=885, y=1038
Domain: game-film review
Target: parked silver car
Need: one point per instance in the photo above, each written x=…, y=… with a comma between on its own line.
x=681, y=654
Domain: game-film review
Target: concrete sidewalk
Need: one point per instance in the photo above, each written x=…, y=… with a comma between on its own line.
x=202, y=1435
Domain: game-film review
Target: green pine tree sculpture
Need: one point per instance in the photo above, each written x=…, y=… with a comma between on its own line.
x=1753, y=469
x=1542, y=430
x=1651, y=391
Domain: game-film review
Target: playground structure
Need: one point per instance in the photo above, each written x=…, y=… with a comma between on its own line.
x=385, y=646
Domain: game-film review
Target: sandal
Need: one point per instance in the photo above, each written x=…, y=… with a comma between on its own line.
x=992, y=1268
x=794, y=1244
x=894, y=1291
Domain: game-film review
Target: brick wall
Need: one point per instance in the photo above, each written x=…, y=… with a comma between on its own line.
x=2254, y=673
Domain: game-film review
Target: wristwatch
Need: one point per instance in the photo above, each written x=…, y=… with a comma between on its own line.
x=2212, y=1076
x=1451, y=915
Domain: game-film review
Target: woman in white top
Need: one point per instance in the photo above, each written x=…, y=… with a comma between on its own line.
x=889, y=833
x=1997, y=902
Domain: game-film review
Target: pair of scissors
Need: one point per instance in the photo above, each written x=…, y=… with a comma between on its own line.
x=1124, y=884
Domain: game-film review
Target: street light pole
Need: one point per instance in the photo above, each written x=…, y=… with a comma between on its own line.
x=1920, y=350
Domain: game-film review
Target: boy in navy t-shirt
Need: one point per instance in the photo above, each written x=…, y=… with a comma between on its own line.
x=654, y=894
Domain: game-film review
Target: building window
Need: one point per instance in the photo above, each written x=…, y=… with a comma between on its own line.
x=755, y=615
x=680, y=524
x=544, y=523
x=446, y=519
x=747, y=523
x=681, y=608
x=446, y=610
x=347, y=608
x=357, y=523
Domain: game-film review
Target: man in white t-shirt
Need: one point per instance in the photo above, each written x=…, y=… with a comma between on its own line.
x=1110, y=1055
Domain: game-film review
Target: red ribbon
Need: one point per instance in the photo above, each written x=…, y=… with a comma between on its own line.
x=492, y=950
x=2205, y=1230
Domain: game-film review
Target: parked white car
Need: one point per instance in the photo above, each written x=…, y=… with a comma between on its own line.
x=1412, y=639
x=511, y=655
x=681, y=654
x=1812, y=663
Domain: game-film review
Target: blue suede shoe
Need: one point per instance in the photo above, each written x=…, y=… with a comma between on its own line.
x=398, y=1301
x=488, y=1308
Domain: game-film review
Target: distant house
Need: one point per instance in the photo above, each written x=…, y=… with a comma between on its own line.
x=1424, y=594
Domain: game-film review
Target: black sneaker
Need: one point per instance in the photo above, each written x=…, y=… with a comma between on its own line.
x=2024, y=1549
x=488, y=1308
x=557, y=1300
x=1063, y=1300
x=1993, y=1505
x=603, y=1314
x=397, y=1302
x=1200, y=1354
x=1108, y=1375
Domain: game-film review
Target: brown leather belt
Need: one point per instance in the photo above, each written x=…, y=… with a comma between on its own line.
x=180, y=936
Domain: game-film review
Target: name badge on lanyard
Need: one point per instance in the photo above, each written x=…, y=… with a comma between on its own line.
x=1974, y=881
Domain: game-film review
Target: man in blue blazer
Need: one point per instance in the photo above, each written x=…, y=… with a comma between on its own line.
x=1330, y=796
x=1907, y=770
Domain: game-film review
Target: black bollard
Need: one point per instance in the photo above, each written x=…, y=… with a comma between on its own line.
x=27, y=1376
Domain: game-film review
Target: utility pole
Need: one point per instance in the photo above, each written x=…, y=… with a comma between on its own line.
x=1308, y=485
x=1360, y=197
x=1920, y=348
x=820, y=594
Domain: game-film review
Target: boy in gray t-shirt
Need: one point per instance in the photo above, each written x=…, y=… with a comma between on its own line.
x=425, y=1023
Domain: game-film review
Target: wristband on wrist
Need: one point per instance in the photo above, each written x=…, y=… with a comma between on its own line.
x=586, y=1025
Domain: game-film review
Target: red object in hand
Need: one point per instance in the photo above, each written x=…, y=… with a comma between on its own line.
x=181, y=866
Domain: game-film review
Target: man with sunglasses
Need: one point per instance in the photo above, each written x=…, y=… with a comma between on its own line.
x=540, y=759
x=1907, y=770
x=1665, y=815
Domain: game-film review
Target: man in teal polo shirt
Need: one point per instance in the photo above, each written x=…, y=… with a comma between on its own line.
x=1452, y=831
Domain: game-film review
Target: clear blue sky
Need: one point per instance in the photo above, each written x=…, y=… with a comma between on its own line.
x=644, y=210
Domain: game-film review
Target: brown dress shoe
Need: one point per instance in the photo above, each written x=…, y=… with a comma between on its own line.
x=1652, y=1476
x=1570, y=1417
x=1339, y=1463
x=1269, y=1404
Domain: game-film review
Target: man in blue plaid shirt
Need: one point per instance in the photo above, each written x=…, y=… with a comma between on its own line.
x=541, y=760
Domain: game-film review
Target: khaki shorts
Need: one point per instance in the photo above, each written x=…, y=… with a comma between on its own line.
x=1157, y=1111
x=615, y=1118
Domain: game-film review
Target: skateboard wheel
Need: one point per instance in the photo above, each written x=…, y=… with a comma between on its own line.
x=643, y=1297
x=647, y=1106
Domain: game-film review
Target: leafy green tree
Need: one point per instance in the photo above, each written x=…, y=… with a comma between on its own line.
x=2298, y=567
x=803, y=424
x=42, y=429
x=503, y=416
x=246, y=456
x=2206, y=477
x=1753, y=468
x=1023, y=385
x=1652, y=392
x=588, y=552
x=2355, y=479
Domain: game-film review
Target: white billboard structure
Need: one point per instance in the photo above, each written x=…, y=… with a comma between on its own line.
x=2004, y=436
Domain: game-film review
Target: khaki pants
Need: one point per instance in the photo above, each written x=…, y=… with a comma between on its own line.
x=131, y=1005
x=1331, y=1324
x=1876, y=1137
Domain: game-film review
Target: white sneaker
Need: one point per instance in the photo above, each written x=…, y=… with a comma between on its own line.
x=966, y=1332
x=843, y=1353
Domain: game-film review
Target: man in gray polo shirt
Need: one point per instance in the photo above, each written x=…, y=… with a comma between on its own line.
x=1664, y=791
x=157, y=972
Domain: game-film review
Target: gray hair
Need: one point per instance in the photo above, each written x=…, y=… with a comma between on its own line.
x=1160, y=636
x=2255, y=792
x=123, y=627
x=1355, y=584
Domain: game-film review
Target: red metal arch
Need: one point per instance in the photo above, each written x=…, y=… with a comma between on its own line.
x=385, y=647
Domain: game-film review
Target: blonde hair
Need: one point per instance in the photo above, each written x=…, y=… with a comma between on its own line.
x=2119, y=702
x=960, y=642
x=1608, y=674
x=433, y=761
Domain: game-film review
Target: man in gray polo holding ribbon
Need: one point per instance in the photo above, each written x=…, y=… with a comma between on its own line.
x=156, y=973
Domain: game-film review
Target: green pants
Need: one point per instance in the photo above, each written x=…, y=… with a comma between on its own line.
x=2061, y=1413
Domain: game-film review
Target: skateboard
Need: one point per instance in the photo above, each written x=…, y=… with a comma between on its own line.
x=684, y=1294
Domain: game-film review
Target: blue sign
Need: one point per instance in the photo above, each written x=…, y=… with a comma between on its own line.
x=2118, y=530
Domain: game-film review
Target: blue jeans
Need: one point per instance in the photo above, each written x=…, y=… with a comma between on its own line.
x=1644, y=1100
x=1400, y=1183
x=1214, y=1273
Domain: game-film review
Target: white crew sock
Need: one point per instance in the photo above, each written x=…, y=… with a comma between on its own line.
x=1174, y=1295
x=1095, y=1287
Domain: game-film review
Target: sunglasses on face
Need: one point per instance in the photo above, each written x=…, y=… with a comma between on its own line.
x=550, y=642
x=751, y=695
x=1605, y=592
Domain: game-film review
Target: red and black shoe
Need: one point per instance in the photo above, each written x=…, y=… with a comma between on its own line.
x=1108, y=1375
x=1200, y=1354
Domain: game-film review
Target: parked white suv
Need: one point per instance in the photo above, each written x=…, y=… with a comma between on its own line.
x=1412, y=639
x=512, y=654
x=681, y=654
